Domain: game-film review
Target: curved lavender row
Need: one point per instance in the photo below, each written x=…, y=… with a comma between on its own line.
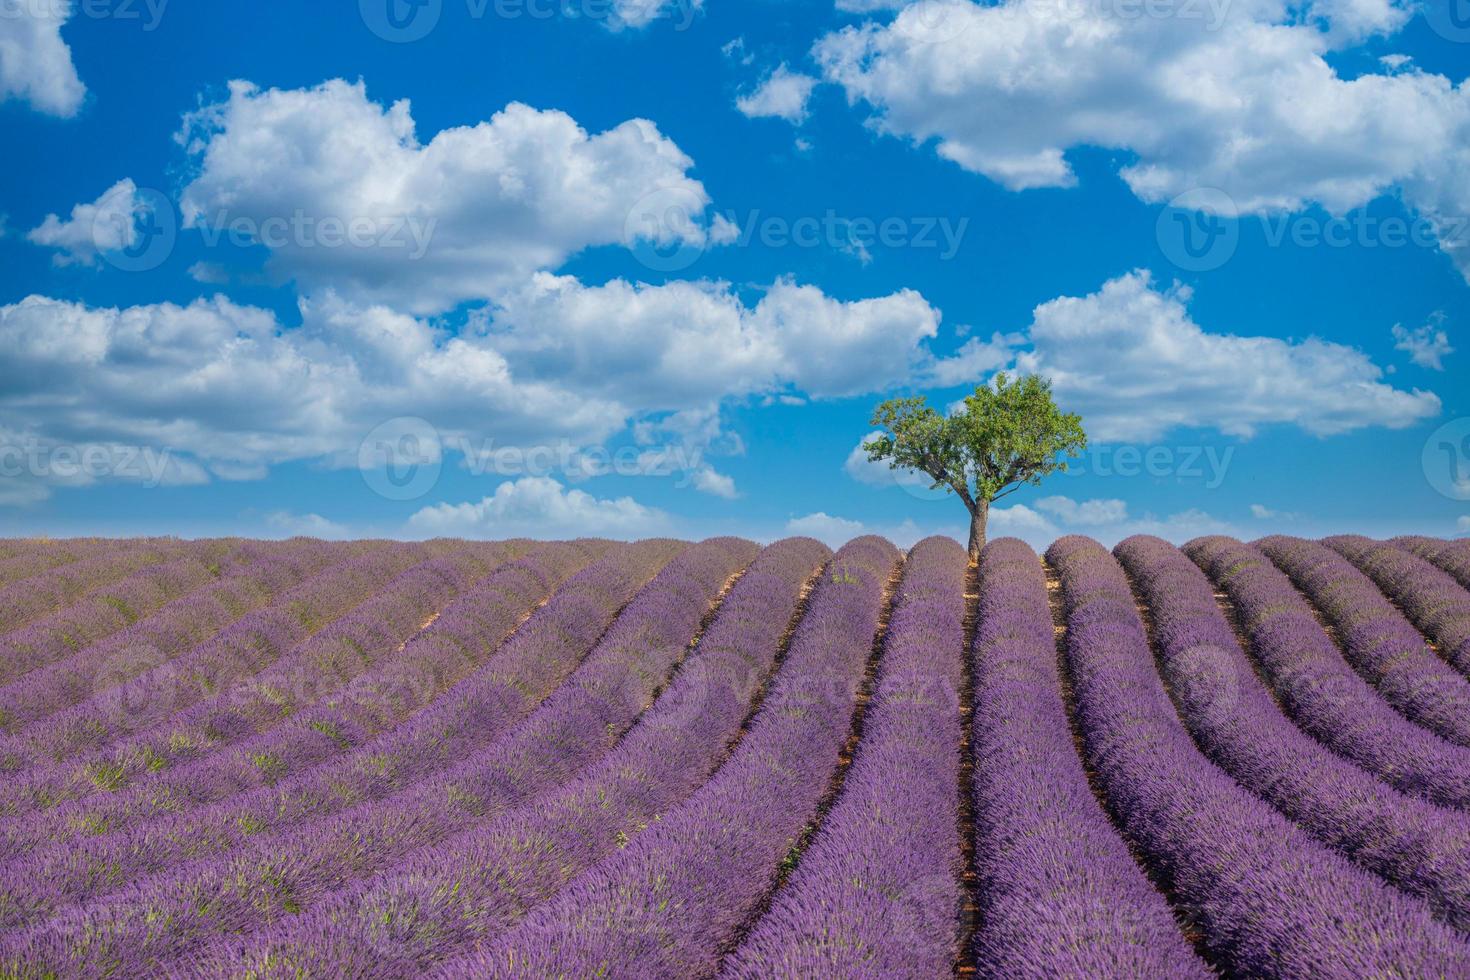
x=666, y=904
x=1450, y=557
x=1438, y=605
x=246, y=878
x=240, y=651
x=1317, y=688
x=174, y=629
x=1059, y=894
x=66, y=871
x=318, y=667
x=298, y=865
x=1375, y=637
x=441, y=899
x=52, y=591
x=1421, y=848
x=119, y=605
x=456, y=643
x=884, y=871
x=1269, y=900
x=18, y=563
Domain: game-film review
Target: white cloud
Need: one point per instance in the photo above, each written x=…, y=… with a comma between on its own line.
x=826, y=528
x=1261, y=512
x=1134, y=364
x=1463, y=524
x=1087, y=513
x=641, y=13
x=225, y=386
x=1427, y=346
x=783, y=94
x=1236, y=96
x=736, y=51
x=706, y=480
x=540, y=507
x=683, y=343
x=35, y=63
x=209, y=273
x=108, y=224
x=864, y=470
x=837, y=531
x=975, y=361
x=347, y=197
x=1106, y=520
x=307, y=526
x=229, y=390
x=1019, y=521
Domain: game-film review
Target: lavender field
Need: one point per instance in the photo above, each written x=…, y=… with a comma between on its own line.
x=716, y=759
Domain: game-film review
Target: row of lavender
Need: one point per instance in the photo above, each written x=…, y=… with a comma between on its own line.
x=282, y=847
x=577, y=834
x=62, y=754
x=443, y=899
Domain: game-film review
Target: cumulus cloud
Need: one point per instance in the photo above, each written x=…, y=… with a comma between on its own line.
x=1106, y=520
x=540, y=507
x=35, y=63
x=1463, y=524
x=292, y=525
x=1427, y=346
x=783, y=94
x=224, y=386
x=108, y=224
x=229, y=389
x=683, y=341
x=826, y=528
x=1131, y=360
x=1235, y=96
x=1086, y=513
x=974, y=361
x=346, y=196
x=837, y=531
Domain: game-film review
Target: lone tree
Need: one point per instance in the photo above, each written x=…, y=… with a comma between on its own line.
x=1009, y=435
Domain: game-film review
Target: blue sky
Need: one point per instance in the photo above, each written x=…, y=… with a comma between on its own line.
x=626, y=267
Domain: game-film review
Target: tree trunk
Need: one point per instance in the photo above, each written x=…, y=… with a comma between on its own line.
x=978, y=517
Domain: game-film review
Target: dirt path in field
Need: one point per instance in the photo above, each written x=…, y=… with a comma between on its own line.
x=970, y=878
x=423, y=628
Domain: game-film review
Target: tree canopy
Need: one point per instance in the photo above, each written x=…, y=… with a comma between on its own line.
x=1008, y=434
